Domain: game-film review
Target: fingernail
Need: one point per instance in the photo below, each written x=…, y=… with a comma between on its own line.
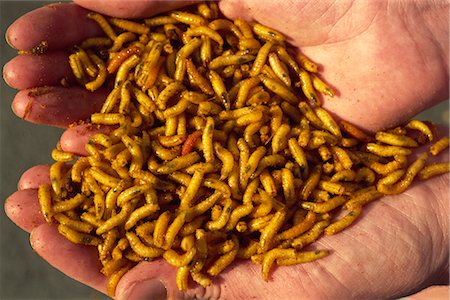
x=8, y=38
x=5, y=73
x=10, y=74
x=148, y=290
x=21, y=107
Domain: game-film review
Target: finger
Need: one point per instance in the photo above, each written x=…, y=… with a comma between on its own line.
x=132, y=9
x=34, y=177
x=234, y=9
x=57, y=106
x=77, y=261
x=29, y=71
x=60, y=25
x=149, y=280
x=74, y=139
x=23, y=209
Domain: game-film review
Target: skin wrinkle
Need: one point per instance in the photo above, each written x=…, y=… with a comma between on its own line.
x=406, y=218
x=444, y=65
x=443, y=52
x=336, y=24
x=385, y=231
x=312, y=6
x=392, y=259
x=312, y=282
x=425, y=8
x=404, y=40
x=422, y=56
x=411, y=30
x=425, y=259
x=409, y=196
x=443, y=223
x=438, y=223
x=362, y=243
x=346, y=19
x=301, y=270
x=230, y=293
x=339, y=255
x=323, y=268
x=336, y=279
x=433, y=249
x=392, y=285
x=252, y=272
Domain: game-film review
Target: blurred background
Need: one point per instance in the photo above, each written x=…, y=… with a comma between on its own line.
x=23, y=274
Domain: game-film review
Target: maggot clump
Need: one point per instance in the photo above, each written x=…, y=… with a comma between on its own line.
x=217, y=150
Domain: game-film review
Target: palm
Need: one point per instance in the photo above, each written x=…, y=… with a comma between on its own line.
x=373, y=52
x=365, y=58
x=389, y=242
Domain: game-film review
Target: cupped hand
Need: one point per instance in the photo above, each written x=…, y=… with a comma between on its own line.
x=386, y=58
x=398, y=246
x=387, y=62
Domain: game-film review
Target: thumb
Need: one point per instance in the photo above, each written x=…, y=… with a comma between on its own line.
x=157, y=280
x=149, y=280
x=133, y=8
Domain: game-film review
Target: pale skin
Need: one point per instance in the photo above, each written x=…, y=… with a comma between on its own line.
x=388, y=60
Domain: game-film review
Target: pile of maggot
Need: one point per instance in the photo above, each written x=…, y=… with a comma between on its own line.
x=217, y=150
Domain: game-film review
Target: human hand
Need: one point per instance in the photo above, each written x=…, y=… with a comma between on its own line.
x=342, y=280
x=398, y=246
x=382, y=57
